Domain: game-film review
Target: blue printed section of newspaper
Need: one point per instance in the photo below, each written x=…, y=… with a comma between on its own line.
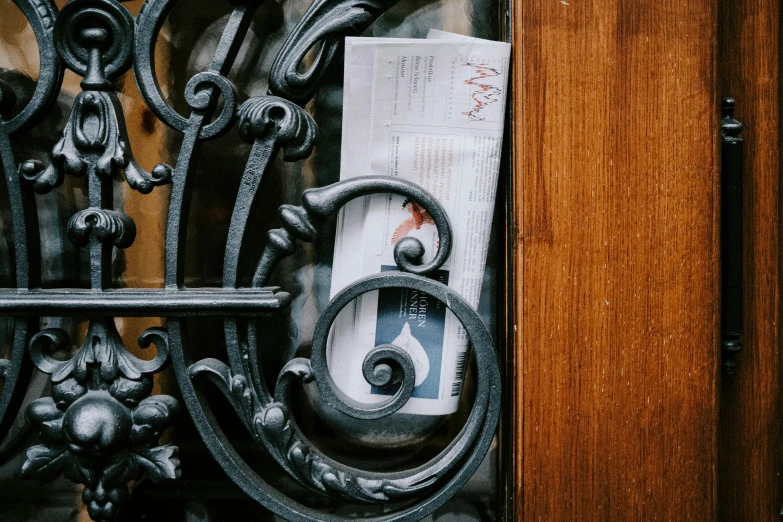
x=432, y=112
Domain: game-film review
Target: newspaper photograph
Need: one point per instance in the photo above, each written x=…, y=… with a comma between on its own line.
x=435, y=112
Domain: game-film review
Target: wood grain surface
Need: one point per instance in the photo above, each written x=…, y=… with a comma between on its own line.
x=749, y=451
x=616, y=241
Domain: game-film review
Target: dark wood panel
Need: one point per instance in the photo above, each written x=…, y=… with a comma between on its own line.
x=616, y=184
x=749, y=458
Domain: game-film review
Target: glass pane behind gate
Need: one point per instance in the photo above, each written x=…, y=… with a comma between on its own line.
x=204, y=493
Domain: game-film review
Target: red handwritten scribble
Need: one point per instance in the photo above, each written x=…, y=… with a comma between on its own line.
x=483, y=94
x=419, y=217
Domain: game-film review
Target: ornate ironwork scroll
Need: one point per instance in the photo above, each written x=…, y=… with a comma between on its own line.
x=101, y=427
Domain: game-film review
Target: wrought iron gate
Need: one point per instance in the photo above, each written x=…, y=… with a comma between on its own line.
x=101, y=426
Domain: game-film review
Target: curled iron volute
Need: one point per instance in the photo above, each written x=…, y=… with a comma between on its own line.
x=324, y=27
x=280, y=121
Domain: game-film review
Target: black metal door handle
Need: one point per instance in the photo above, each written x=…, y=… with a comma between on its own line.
x=731, y=236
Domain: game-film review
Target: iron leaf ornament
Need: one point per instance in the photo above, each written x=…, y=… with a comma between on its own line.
x=93, y=39
x=101, y=427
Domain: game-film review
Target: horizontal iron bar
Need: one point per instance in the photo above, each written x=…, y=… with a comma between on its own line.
x=143, y=302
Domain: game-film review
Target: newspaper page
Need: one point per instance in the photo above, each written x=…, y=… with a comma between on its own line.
x=429, y=111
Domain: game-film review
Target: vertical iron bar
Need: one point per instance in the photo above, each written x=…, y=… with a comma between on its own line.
x=18, y=211
x=100, y=197
x=16, y=373
x=179, y=208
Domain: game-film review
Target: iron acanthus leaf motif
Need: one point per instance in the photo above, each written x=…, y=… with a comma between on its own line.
x=94, y=139
x=270, y=124
x=281, y=122
x=269, y=420
x=272, y=425
x=100, y=427
x=94, y=39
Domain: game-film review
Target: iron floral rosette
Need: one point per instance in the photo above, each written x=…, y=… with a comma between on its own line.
x=101, y=427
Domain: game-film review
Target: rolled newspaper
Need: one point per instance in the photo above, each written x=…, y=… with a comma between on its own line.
x=432, y=112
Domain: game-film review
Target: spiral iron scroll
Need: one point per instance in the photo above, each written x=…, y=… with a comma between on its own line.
x=101, y=427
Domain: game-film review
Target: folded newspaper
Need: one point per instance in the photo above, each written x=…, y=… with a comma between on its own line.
x=429, y=111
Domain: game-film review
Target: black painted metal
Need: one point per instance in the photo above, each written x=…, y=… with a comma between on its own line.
x=101, y=427
x=324, y=27
x=143, y=302
x=24, y=221
x=731, y=237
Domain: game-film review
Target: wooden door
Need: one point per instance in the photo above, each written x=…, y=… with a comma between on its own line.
x=621, y=412
x=749, y=458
